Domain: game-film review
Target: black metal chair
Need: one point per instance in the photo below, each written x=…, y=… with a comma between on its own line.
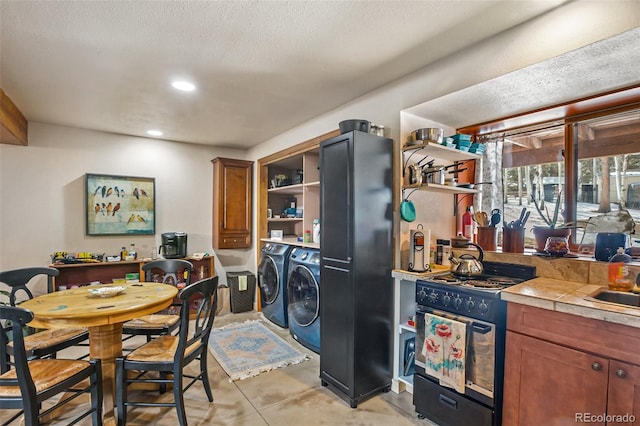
x=30, y=383
x=169, y=355
x=44, y=343
x=159, y=324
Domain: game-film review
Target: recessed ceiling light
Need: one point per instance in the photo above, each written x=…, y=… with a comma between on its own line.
x=185, y=86
x=154, y=132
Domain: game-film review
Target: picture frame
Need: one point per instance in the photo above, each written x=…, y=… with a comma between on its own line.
x=120, y=205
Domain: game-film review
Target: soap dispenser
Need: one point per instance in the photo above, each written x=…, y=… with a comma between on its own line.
x=619, y=275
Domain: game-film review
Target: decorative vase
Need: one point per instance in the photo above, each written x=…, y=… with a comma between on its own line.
x=542, y=234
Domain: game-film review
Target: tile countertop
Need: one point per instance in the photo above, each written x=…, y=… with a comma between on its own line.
x=572, y=298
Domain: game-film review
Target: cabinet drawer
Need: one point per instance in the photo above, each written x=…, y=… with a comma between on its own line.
x=446, y=407
x=235, y=241
x=600, y=337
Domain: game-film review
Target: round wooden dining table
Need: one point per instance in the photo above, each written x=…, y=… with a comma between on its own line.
x=104, y=317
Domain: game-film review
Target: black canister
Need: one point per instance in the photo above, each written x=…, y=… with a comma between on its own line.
x=607, y=244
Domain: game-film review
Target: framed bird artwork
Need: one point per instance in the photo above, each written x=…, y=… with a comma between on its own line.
x=120, y=205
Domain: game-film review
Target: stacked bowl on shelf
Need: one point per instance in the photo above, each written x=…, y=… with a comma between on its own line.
x=448, y=142
x=463, y=143
x=477, y=148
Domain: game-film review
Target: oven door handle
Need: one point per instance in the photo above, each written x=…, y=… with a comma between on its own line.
x=448, y=401
x=481, y=328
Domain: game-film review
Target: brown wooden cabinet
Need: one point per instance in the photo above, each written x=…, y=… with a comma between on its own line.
x=563, y=369
x=232, y=187
x=81, y=274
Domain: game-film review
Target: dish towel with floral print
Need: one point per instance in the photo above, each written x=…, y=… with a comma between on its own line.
x=444, y=350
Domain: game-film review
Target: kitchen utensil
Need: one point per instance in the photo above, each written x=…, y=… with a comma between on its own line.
x=457, y=170
x=607, y=244
x=488, y=238
x=105, y=291
x=409, y=356
x=513, y=240
x=467, y=265
x=459, y=241
x=481, y=218
x=407, y=211
x=434, y=174
x=424, y=159
x=418, y=254
x=518, y=222
x=415, y=174
x=557, y=246
x=428, y=134
x=349, y=125
x=495, y=218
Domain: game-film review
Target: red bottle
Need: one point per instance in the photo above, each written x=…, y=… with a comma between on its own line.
x=467, y=225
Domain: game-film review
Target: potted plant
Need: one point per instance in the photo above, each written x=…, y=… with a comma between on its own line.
x=552, y=229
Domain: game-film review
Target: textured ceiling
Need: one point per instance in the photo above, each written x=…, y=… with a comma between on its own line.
x=594, y=69
x=261, y=67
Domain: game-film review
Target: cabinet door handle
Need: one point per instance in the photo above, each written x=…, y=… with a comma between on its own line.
x=621, y=373
x=596, y=366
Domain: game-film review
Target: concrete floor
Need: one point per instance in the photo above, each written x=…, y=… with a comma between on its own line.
x=288, y=396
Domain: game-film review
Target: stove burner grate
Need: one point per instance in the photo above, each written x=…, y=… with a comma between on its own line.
x=482, y=283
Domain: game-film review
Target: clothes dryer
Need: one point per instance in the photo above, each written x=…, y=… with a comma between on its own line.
x=272, y=280
x=303, y=291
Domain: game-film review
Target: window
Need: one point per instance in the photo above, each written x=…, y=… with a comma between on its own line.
x=532, y=171
x=591, y=162
x=607, y=194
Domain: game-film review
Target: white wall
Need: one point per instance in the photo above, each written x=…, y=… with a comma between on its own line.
x=42, y=193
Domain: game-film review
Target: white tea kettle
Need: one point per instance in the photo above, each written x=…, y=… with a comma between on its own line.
x=467, y=265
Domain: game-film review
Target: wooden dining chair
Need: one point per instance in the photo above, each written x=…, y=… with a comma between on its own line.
x=169, y=355
x=44, y=343
x=159, y=324
x=31, y=382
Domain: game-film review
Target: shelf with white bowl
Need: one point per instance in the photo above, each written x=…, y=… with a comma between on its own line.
x=443, y=152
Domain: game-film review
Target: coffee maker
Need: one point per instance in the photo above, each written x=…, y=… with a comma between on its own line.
x=174, y=245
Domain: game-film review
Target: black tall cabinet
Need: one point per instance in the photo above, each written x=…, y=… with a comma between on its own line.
x=356, y=293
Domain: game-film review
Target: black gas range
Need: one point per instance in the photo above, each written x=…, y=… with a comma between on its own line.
x=474, y=302
x=472, y=296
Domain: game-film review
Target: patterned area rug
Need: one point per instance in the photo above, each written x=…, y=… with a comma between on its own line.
x=249, y=348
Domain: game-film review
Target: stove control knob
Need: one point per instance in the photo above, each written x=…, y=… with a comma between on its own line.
x=422, y=295
x=457, y=302
x=433, y=297
x=470, y=305
x=446, y=299
x=483, y=307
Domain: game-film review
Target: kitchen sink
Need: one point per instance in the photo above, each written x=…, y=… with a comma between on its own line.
x=618, y=297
